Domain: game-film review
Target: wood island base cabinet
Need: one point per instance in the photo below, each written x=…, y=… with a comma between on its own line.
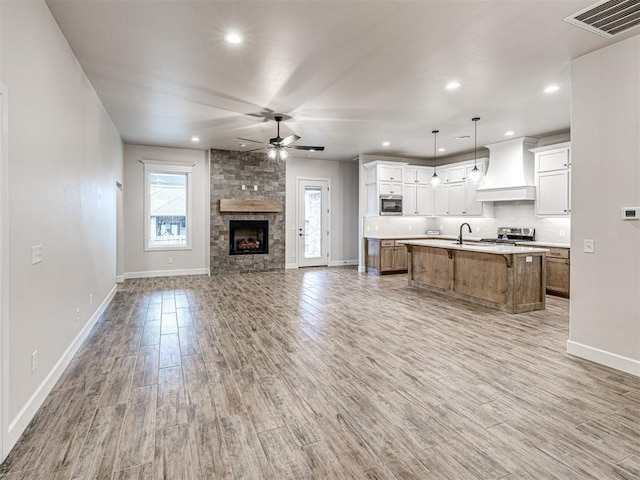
x=513, y=282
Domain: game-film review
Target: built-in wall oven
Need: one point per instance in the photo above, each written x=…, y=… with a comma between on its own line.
x=390, y=204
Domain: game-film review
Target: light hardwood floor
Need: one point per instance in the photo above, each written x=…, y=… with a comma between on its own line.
x=328, y=374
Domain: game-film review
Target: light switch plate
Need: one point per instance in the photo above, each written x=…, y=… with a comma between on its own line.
x=36, y=254
x=589, y=246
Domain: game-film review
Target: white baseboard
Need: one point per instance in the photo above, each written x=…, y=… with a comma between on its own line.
x=336, y=263
x=18, y=425
x=166, y=273
x=343, y=263
x=608, y=359
x=119, y=278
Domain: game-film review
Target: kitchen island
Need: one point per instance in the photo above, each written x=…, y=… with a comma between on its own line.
x=509, y=278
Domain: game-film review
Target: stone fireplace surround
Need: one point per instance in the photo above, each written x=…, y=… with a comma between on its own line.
x=229, y=171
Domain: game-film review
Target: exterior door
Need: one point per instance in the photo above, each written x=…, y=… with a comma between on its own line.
x=313, y=222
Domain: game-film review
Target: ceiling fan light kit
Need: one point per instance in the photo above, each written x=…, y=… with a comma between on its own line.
x=277, y=147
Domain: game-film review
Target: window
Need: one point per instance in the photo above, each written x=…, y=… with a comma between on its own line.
x=167, y=205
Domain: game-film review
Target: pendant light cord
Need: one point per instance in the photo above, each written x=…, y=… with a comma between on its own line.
x=435, y=155
x=475, y=141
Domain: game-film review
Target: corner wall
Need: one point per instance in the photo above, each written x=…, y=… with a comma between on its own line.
x=64, y=157
x=140, y=263
x=229, y=171
x=605, y=285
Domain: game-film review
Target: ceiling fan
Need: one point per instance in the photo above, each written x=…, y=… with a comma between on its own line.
x=277, y=146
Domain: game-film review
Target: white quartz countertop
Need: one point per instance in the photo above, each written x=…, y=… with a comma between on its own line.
x=426, y=236
x=474, y=247
x=545, y=244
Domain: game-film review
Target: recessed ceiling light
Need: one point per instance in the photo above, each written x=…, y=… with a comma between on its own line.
x=442, y=149
x=233, y=38
x=195, y=139
x=453, y=85
x=242, y=144
x=551, y=89
x=508, y=133
x=385, y=144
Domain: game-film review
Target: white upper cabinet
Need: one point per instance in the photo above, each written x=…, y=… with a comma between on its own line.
x=390, y=173
x=417, y=193
x=553, y=179
x=456, y=173
x=417, y=174
x=381, y=178
x=555, y=159
x=553, y=193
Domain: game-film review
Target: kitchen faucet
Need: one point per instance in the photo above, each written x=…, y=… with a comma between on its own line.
x=459, y=242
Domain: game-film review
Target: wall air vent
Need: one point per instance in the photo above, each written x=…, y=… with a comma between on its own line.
x=608, y=18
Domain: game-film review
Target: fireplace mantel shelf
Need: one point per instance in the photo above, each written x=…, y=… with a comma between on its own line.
x=228, y=205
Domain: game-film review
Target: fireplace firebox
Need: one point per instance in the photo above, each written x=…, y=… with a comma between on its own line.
x=248, y=237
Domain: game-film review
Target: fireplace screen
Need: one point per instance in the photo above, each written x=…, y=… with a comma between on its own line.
x=248, y=237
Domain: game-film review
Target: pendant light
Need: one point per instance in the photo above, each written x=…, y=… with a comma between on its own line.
x=435, y=180
x=475, y=175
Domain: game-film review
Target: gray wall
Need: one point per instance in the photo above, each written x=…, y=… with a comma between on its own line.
x=229, y=171
x=64, y=157
x=141, y=263
x=605, y=305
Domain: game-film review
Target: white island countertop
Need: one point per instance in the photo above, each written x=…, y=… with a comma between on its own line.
x=497, y=249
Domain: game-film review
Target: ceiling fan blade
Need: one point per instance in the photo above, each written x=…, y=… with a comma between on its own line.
x=307, y=147
x=289, y=140
x=248, y=140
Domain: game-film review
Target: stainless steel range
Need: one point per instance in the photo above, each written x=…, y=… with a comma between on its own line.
x=511, y=235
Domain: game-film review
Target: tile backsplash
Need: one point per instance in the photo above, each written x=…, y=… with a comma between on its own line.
x=506, y=214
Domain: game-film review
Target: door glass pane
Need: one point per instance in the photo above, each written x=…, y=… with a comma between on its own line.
x=312, y=222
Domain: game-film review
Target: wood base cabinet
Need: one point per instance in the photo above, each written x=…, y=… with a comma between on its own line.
x=558, y=266
x=385, y=256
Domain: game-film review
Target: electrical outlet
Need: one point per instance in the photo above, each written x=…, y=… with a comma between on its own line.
x=170, y=260
x=410, y=227
x=244, y=187
x=368, y=228
x=77, y=314
x=376, y=228
x=561, y=233
x=91, y=299
x=34, y=361
x=36, y=254
x=255, y=188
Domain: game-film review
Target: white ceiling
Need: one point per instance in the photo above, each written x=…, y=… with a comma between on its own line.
x=349, y=74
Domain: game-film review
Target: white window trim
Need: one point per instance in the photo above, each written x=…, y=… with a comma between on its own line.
x=158, y=166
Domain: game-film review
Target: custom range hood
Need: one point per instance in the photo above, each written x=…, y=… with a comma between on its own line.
x=511, y=172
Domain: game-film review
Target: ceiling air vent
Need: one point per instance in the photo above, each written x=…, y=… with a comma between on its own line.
x=608, y=18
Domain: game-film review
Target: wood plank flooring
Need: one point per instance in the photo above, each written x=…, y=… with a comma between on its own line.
x=327, y=374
